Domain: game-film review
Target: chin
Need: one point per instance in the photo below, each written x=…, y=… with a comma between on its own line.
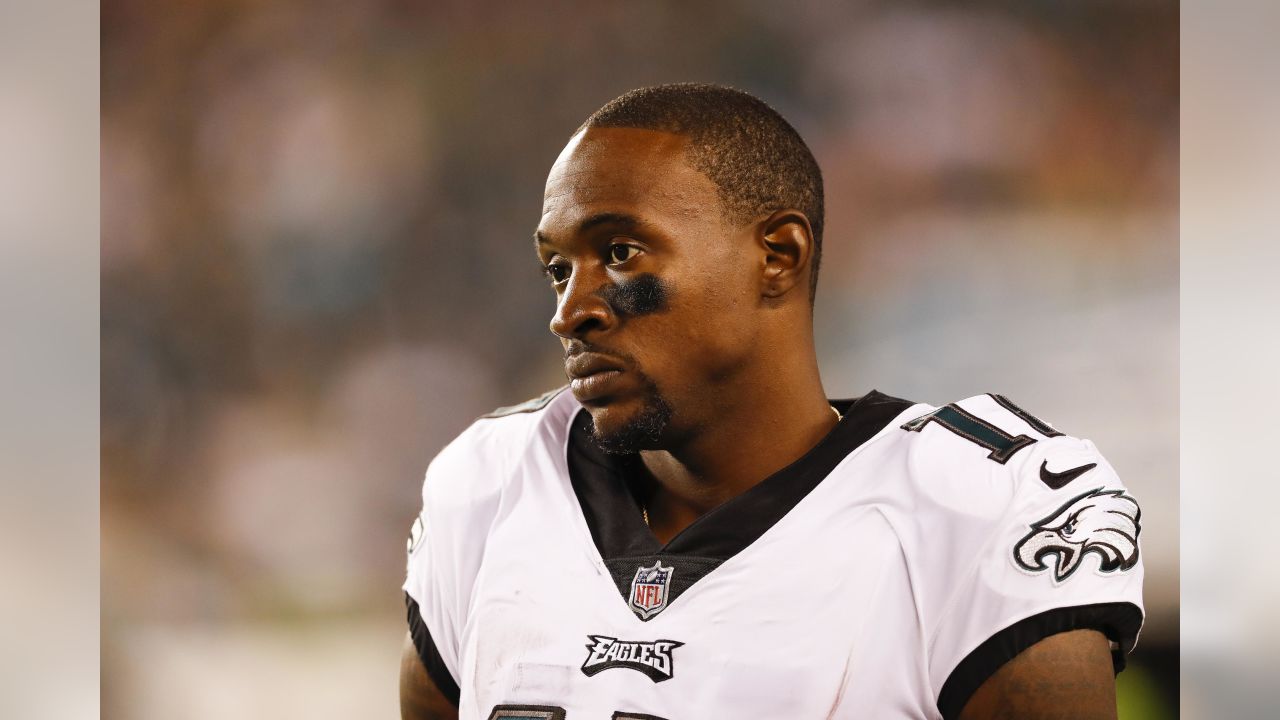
x=629, y=427
x=612, y=418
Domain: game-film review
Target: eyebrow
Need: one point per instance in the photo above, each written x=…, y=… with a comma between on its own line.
x=622, y=221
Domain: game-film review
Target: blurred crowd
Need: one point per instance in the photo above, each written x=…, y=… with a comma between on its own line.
x=316, y=270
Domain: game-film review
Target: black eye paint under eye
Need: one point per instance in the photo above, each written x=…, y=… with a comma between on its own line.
x=644, y=295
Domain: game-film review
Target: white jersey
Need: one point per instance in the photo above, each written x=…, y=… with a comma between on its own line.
x=886, y=574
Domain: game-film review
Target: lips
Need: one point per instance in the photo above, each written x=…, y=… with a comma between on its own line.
x=592, y=375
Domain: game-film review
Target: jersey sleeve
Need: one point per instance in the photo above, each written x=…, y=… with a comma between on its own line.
x=460, y=497
x=1061, y=553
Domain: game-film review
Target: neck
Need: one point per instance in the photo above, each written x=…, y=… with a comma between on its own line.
x=750, y=433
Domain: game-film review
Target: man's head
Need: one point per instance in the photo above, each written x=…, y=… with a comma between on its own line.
x=681, y=229
x=757, y=160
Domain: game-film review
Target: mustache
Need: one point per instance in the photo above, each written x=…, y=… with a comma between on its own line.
x=577, y=347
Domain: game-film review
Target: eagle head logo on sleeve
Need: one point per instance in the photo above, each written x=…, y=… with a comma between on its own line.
x=1102, y=522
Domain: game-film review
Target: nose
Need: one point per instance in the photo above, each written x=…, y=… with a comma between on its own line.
x=580, y=310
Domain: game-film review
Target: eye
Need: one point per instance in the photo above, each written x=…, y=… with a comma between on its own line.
x=619, y=253
x=1069, y=527
x=557, y=271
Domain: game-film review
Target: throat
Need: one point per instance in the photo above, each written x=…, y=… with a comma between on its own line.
x=672, y=497
x=677, y=487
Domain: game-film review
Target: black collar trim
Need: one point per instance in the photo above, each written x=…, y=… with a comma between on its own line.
x=607, y=487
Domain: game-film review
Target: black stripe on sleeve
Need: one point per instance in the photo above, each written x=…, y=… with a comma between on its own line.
x=1118, y=621
x=430, y=656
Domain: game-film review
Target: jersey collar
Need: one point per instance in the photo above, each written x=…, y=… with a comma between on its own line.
x=607, y=487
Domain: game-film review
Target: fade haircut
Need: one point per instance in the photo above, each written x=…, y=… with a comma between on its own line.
x=757, y=160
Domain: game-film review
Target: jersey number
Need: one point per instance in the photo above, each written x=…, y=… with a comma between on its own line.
x=550, y=712
x=980, y=432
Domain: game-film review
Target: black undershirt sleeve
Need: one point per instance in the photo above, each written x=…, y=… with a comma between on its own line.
x=1118, y=621
x=429, y=655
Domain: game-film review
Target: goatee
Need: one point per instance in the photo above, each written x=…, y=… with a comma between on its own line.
x=641, y=432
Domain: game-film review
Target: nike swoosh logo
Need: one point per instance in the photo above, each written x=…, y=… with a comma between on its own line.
x=1056, y=480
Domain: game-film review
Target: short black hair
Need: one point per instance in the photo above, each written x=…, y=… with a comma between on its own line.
x=757, y=160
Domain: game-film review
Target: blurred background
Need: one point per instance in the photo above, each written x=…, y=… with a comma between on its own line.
x=316, y=270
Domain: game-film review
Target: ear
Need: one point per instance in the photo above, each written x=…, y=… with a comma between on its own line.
x=788, y=244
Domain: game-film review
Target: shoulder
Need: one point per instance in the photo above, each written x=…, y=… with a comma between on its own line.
x=980, y=453
x=996, y=493
x=462, y=502
x=478, y=462
x=1016, y=531
x=986, y=479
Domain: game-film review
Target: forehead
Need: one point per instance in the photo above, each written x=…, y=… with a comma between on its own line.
x=625, y=170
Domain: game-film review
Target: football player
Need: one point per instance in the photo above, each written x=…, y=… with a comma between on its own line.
x=693, y=529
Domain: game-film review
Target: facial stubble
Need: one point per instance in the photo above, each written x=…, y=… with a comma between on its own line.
x=643, y=430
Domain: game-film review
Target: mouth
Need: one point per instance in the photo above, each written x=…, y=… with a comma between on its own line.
x=592, y=376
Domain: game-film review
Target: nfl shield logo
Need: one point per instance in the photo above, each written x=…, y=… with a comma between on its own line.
x=650, y=590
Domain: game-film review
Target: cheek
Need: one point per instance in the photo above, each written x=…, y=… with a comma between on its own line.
x=707, y=333
x=644, y=295
x=728, y=303
x=709, y=323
